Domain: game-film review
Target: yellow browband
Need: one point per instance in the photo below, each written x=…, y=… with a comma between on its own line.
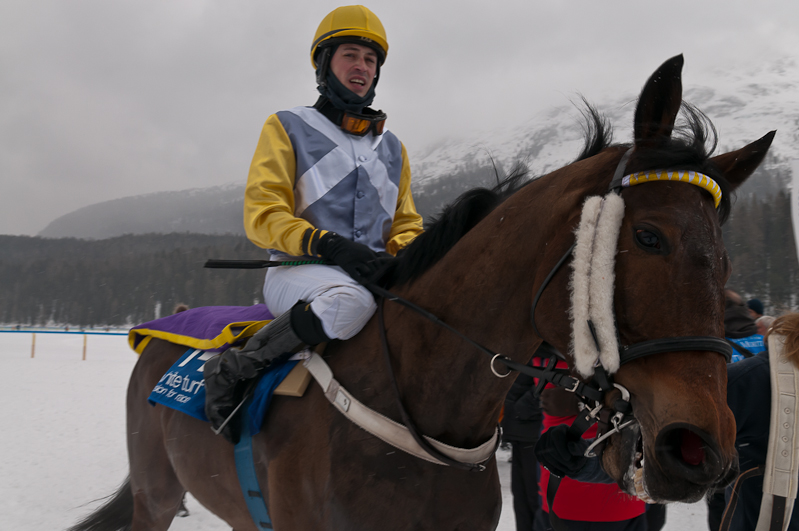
x=691, y=177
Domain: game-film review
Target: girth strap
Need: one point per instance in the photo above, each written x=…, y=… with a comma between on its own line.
x=248, y=479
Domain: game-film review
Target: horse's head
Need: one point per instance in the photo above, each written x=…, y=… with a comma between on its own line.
x=670, y=270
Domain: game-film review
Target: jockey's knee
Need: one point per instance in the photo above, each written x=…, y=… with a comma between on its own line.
x=344, y=310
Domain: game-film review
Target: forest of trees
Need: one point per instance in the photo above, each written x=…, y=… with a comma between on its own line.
x=126, y=280
x=760, y=241
x=120, y=281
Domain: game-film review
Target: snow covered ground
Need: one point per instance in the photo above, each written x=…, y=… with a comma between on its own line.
x=63, y=441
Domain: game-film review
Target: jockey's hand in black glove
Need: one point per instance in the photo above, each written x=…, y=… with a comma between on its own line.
x=561, y=452
x=356, y=259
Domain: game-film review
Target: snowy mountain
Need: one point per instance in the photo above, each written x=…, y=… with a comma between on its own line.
x=743, y=106
x=215, y=210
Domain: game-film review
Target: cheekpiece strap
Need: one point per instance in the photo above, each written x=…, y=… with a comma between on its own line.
x=615, y=184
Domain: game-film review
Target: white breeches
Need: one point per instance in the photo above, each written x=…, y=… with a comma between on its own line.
x=343, y=305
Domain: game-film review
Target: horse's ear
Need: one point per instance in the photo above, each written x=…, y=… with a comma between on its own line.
x=659, y=104
x=738, y=165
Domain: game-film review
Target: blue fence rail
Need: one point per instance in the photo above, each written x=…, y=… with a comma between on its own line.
x=34, y=331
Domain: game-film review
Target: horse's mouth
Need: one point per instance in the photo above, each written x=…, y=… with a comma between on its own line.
x=636, y=485
x=639, y=484
x=649, y=481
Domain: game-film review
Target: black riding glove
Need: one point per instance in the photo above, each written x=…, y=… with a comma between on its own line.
x=560, y=452
x=356, y=259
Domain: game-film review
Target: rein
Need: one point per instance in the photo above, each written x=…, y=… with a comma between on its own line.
x=620, y=415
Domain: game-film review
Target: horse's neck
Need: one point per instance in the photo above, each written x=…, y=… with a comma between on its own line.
x=483, y=287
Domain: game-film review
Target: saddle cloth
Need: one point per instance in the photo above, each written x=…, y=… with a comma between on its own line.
x=209, y=328
x=207, y=331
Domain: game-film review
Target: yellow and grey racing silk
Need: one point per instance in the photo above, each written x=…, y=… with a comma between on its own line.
x=308, y=173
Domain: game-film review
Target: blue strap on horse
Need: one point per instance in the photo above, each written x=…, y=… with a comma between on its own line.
x=248, y=480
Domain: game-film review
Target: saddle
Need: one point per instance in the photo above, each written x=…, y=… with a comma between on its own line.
x=206, y=331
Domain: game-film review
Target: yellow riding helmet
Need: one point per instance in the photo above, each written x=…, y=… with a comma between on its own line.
x=356, y=22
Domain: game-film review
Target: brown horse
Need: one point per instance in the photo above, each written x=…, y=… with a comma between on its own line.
x=477, y=268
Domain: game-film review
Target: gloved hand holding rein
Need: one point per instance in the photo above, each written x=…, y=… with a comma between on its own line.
x=356, y=259
x=561, y=452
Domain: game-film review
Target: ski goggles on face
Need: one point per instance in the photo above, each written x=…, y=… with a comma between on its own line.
x=360, y=124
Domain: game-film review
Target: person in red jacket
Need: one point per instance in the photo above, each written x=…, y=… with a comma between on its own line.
x=583, y=506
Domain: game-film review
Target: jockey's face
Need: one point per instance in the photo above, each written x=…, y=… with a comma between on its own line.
x=354, y=65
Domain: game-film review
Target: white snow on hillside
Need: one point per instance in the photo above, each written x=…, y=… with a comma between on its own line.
x=743, y=106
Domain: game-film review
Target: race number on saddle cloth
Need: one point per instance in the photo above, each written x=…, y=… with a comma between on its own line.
x=206, y=331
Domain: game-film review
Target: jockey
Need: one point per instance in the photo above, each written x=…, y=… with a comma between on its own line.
x=326, y=182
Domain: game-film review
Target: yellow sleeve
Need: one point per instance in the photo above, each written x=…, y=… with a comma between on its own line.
x=407, y=223
x=269, y=219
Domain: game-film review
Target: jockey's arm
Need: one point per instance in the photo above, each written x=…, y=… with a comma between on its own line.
x=269, y=219
x=407, y=223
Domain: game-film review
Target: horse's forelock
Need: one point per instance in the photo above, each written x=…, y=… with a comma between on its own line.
x=690, y=148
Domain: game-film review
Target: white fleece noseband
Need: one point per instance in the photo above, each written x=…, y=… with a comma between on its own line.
x=592, y=284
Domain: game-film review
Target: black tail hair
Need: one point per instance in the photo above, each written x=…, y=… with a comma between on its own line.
x=114, y=515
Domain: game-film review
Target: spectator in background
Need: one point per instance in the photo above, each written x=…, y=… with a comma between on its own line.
x=763, y=323
x=741, y=332
x=583, y=506
x=521, y=426
x=755, y=308
x=740, y=328
x=749, y=398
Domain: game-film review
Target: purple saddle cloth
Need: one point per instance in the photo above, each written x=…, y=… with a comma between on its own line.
x=207, y=328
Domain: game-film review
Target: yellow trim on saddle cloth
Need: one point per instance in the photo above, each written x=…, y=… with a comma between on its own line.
x=232, y=333
x=691, y=177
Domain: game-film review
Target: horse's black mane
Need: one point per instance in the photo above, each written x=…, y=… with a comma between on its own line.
x=443, y=231
x=687, y=149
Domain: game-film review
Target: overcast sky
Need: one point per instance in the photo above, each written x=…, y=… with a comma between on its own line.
x=101, y=99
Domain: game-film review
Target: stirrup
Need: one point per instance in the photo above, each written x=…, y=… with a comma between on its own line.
x=247, y=394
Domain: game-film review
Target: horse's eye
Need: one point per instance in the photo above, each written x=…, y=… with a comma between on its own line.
x=647, y=239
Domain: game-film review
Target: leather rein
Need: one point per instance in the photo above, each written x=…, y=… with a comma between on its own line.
x=611, y=420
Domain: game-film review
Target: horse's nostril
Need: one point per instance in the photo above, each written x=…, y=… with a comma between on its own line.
x=686, y=459
x=686, y=448
x=692, y=448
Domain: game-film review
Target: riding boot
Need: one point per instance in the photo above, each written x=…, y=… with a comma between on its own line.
x=227, y=375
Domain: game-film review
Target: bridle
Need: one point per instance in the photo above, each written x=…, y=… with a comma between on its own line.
x=611, y=419
x=593, y=391
x=601, y=380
